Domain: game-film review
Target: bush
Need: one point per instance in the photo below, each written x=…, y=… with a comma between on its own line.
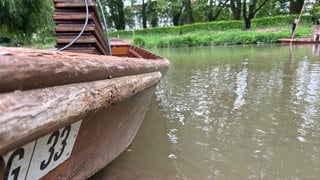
x=139, y=41
x=221, y=33
x=3, y=39
x=277, y=21
x=180, y=30
x=280, y=21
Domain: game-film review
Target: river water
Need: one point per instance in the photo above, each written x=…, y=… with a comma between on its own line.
x=230, y=112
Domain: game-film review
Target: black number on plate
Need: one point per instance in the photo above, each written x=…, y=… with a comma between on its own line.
x=65, y=134
x=53, y=140
x=15, y=172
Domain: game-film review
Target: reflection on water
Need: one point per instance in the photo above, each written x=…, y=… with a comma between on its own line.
x=239, y=112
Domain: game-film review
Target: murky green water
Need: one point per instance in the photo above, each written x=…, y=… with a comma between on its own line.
x=234, y=112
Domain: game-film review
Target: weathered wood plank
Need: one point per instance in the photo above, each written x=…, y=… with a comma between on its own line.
x=22, y=69
x=120, y=51
x=135, y=54
x=104, y=135
x=69, y=13
x=84, y=39
x=24, y=114
x=74, y=29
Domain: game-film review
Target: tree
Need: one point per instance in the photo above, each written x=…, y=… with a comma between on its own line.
x=149, y=13
x=116, y=13
x=235, y=6
x=153, y=11
x=188, y=19
x=144, y=14
x=180, y=11
x=20, y=19
x=296, y=6
x=175, y=11
x=250, y=9
x=130, y=14
x=218, y=9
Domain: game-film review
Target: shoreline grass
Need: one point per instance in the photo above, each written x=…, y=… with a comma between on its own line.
x=213, y=38
x=264, y=31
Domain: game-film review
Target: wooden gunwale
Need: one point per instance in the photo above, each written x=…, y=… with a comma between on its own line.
x=24, y=114
x=23, y=69
x=59, y=88
x=43, y=92
x=298, y=41
x=112, y=129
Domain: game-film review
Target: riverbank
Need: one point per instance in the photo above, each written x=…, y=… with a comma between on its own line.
x=210, y=38
x=263, y=30
x=202, y=38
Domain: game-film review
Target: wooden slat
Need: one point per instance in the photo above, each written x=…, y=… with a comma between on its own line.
x=18, y=126
x=83, y=40
x=86, y=38
x=134, y=54
x=120, y=50
x=74, y=5
x=69, y=17
x=88, y=49
x=23, y=69
x=76, y=28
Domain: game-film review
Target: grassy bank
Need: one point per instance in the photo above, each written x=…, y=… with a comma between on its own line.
x=264, y=30
x=209, y=38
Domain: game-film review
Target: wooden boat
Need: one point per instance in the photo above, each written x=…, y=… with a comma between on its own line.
x=314, y=39
x=66, y=115
x=299, y=41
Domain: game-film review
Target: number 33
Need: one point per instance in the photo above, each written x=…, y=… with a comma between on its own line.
x=53, y=139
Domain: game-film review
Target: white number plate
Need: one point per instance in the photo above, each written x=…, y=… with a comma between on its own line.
x=36, y=159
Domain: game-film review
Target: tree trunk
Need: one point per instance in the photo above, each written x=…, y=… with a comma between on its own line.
x=189, y=14
x=144, y=14
x=218, y=10
x=153, y=14
x=176, y=17
x=247, y=23
x=175, y=20
x=210, y=11
x=121, y=17
x=236, y=9
x=296, y=6
x=250, y=12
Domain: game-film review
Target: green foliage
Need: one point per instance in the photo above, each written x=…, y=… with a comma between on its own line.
x=280, y=21
x=44, y=43
x=20, y=19
x=267, y=30
x=139, y=41
x=179, y=30
x=117, y=11
x=220, y=38
x=4, y=41
x=317, y=9
x=277, y=21
x=212, y=26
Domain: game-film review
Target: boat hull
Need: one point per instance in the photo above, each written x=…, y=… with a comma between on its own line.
x=298, y=41
x=43, y=94
x=103, y=136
